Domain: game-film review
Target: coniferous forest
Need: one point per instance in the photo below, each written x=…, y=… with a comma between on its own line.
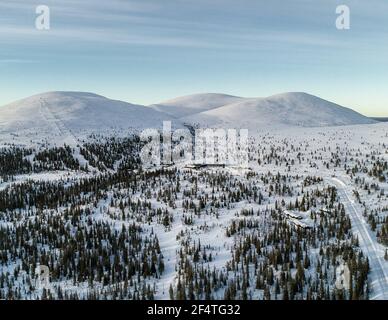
x=106, y=228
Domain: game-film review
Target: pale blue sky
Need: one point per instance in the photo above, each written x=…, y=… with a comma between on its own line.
x=146, y=51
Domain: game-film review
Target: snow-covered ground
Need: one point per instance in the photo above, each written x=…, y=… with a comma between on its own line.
x=218, y=229
x=368, y=243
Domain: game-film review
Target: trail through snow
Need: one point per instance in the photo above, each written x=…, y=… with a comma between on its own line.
x=60, y=128
x=368, y=243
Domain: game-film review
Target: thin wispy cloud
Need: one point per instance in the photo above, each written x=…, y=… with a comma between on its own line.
x=151, y=23
x=183, y=46
x=8, y=61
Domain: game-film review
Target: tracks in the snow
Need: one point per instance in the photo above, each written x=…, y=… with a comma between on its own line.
x=368, y=243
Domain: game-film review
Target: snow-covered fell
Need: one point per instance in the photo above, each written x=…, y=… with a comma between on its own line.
x=71, y=116
x=193, y=104
x=288, y=109
x=68, y=113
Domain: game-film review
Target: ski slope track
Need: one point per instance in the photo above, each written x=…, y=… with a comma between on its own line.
x=212, y=223
x=68, y=117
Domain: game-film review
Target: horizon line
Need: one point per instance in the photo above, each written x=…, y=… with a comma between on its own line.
x=193, y=94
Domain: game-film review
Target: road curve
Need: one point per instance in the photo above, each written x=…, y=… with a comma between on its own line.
x=371, y=248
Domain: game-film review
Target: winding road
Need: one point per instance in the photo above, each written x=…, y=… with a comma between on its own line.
x=368, y=243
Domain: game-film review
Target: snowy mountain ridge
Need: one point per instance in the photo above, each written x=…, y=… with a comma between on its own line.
x=296, y=109
x=65, y=114
x=78, y=110
x=196, y=103
x=307, y=208
x=68, y=116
